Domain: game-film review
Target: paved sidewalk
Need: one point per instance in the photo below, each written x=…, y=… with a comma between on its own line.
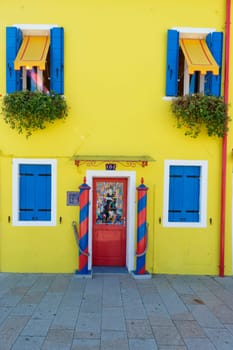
x=115, y=312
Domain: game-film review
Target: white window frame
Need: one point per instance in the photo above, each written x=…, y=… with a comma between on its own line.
x=34, y=29
x=193, y=33
x=15, y=192
x=203, y=192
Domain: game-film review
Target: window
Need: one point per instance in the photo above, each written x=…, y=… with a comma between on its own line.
x=185, y=193
x=194, y=62
x=34, y=192
x=35, y=59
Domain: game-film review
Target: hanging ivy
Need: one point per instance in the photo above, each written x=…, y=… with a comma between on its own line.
x=195, y=111
x=27, y=111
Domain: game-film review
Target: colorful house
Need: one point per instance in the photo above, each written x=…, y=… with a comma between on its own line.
x=119, y=65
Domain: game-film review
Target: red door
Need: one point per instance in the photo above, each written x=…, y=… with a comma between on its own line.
x=109, y=221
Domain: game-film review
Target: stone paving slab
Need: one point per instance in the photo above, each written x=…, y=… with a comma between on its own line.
x=142, y=344
x=88, y=325
x=112, y=312
x=58, y=339
x=114, y=340
x=66, y=317
x=10, y=330
x=168, y=335
x=113, y=319
x=28, y=343
x=86, y=344
x=36, y=327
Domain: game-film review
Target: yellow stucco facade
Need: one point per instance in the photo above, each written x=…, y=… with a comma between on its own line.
x=114, y=83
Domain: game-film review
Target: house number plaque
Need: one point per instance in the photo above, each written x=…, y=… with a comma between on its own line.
x=110, y=166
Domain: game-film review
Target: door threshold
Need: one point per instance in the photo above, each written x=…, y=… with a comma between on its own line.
x=110, y=270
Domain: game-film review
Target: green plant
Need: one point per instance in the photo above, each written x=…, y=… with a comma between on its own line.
x=27, y=111
x=195, y=111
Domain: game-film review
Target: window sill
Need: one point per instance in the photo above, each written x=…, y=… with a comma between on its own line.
x=168, y=98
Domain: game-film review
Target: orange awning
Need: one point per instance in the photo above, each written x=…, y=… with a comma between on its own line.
x=198, y=56
x=32, y=52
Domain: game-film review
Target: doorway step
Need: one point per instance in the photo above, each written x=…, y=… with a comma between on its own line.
x=109, y=270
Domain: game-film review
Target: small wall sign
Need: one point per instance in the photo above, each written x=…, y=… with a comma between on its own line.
x=72, y=198
x=110, y=166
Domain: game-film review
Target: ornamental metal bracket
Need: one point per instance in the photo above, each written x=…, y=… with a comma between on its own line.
x=126, y=161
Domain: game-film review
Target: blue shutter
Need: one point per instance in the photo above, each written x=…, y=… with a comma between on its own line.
x=213, y=82
x=208, y=76
x=193, y=83
x=43, y=190
x=184, y=193
x=35, y=192
x=13, y=42
x=26, y=193
x=172, y=63
x=175, y=194
x=57, y=60
x=216, y=50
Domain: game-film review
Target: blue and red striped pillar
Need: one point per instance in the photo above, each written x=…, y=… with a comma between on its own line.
x=141, y=229
x=83, y=228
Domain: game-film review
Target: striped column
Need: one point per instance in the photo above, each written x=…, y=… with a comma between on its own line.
x=83, y=228
x=141, y=229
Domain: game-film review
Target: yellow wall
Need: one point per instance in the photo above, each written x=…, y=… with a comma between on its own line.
x=115, y=56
